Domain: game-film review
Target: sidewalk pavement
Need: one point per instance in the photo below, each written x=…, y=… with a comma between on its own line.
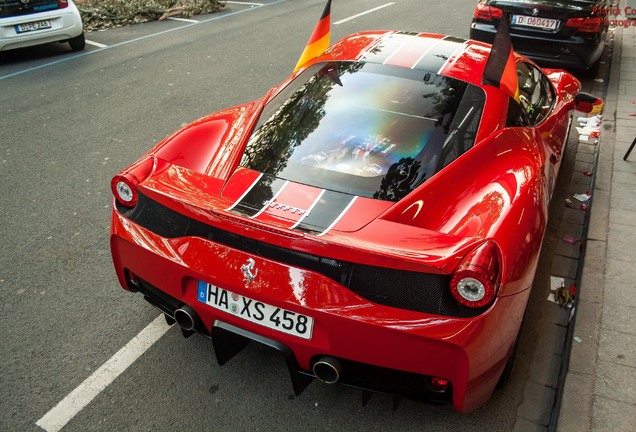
x=600, y=387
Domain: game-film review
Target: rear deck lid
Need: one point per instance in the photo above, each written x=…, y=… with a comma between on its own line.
x=290, y=205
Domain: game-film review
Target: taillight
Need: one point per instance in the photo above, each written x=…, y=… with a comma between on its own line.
x=437, y=385
x=487, y=13
x=591, y=25
x=586, y=25
x=61, y=4
x=476, y=279
x=441, y=384
x=124, y=185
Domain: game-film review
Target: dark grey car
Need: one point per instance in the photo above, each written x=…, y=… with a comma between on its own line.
x=554, y=33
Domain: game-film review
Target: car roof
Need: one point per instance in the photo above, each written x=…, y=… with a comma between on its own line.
x=450, y=56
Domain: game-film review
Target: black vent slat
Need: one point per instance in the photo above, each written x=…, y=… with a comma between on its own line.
x=416, y=291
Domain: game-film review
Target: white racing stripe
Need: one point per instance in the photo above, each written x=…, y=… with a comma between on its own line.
x=76, y=400
x=453, y=57
x=363, y=13
x=245, y=193
x=339, y=217
x=316, y=201
x=265, y=206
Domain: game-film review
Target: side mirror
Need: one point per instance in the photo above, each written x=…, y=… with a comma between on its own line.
x=587, y=103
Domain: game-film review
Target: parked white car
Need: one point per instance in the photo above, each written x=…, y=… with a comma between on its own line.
x=26, y=23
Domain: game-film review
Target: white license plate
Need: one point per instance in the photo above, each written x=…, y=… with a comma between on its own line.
x=32, y=26
x=254, y=311
x=535, y=22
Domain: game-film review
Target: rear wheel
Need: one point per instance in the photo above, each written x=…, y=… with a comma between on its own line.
x=77, y=43
x=592, y=71
x=507, y=371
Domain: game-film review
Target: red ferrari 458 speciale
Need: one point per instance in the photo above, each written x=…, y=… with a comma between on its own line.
x=377, y=218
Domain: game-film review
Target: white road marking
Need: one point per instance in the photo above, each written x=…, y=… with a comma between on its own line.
x=76, y=400
x=97, y=44
x=183, y=19
x=363, y=13
x=244, y=3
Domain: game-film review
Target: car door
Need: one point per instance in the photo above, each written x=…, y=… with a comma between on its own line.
x=535, y=111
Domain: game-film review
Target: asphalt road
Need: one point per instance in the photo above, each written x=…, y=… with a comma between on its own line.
x=68, y=122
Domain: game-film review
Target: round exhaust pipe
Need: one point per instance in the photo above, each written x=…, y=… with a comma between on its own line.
x=185, y=317
x=327, y=369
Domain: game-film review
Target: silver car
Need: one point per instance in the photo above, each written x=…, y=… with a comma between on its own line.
x=26, y=23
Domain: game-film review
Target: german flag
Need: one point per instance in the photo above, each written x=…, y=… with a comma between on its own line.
x=319, y=40
x=500, y=70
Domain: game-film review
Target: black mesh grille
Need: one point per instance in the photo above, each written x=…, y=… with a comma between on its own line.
x=415, y=291
x=420, y=292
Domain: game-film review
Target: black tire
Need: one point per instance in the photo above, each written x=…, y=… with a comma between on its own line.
x=507, y=371
x=78, y=42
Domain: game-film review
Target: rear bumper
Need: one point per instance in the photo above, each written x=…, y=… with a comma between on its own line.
x=382, y=349
x=574, y=53
x=229, y=339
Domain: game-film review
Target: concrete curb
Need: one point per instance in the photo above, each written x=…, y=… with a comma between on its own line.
x=582, y=408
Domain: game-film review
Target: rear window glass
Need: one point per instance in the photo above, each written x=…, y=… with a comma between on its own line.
x=10, y=8
x=365, y=129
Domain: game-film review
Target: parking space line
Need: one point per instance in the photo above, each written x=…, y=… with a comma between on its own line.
x=96, y=44
x=187, y=25
x=363, y=13
x=244, y=3
x=183, y=19
x=76, y=400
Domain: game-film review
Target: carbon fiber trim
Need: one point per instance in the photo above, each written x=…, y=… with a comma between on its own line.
x=415, y=291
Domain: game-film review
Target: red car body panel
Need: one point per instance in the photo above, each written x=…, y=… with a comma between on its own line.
x=511, y=172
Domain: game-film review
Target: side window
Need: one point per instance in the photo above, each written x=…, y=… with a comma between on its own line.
x=535, y=97
x=516, y=116
x=464, y=127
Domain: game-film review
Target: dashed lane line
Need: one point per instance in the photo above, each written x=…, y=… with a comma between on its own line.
x=363, y=13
